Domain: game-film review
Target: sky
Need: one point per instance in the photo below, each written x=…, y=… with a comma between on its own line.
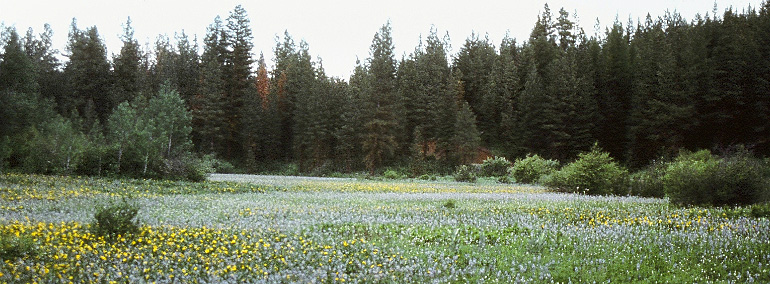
x=339, y=32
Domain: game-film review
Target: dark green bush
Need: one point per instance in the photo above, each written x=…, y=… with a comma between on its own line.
x=116, y=220
x=760, y=210
x=184, y=168
x=704, y=179
x=532, y=168
x=465, y=173
x=12, y=246
x=392, y=174
x=649, y=181
x=594, y=173
x=495, y=167
x=450, y=204
x=212, y=164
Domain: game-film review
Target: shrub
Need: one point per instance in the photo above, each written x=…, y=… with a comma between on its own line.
x=649, y=181
x=184, y=168
x=532, y=168
x=391, y=174
x=450, y=204
x=465, y=173
x=12, y=246
x=594, y=173
x=704, y=179
x=495, y=167
x=760, y=210
x=212, y=164
x=115, y=220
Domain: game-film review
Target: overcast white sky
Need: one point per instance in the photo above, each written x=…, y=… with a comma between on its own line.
x=337, y=31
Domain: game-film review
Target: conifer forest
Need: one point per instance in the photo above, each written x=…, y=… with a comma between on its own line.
x=641, y=91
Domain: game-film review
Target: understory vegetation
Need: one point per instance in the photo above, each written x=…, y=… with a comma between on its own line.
x=269, y=229
x=691, y=178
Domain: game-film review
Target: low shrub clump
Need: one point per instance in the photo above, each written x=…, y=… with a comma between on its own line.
x=495, y=167
x=465, y=173
x=392, y=174
x=532, y=168
x=594, y=173
x=649, y=181
x=116, y=220
x=702, y=178
x=12, y=246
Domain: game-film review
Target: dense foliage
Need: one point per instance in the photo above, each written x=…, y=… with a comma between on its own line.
x=642, y=90
x=594, y=173
x=530, y=169
x=704, y=179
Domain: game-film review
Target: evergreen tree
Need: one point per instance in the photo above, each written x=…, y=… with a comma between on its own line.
x=466, y=138
x=476, y=60
x=88, y=73
x=238, y=76
x=127, y=69
x=350, y=135
x=500, y=101
x=187, y=68
x=614, y=96
x=660, y=113
x=42, y=54
x=260, y=121
x=383, y=104
x=208, y=113
x=17, y=70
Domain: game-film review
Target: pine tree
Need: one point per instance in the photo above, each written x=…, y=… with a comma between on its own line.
x=187, y=68
x=383, y=104
x=466, y=137
x=476, y=60
x=614, y=97
x=501, y=101
x=42, y=54
x=350, y=135
x=660, y=114
x=238, y=75
x=127, y=69
x=17, y=70
x=208, y=109
x=88, y=73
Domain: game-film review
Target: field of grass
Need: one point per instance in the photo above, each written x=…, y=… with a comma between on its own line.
x=305, y=230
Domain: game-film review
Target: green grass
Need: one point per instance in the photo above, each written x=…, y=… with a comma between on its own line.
x=277, y=230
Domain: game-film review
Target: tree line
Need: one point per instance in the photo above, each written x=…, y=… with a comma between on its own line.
x=642, y=91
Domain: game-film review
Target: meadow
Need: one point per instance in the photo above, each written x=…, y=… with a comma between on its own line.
x=248, y=229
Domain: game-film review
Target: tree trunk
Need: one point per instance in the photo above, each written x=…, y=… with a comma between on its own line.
x=120, y=156
x=146, y=159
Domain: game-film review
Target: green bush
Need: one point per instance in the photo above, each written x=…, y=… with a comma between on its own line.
x=465, y=173
x=392, y=174
x=450, y=204
x=184, y=168
x=12, y=246
x=594, y=173
x=532, y=168
x=495, y=167
x=649, y=181
x=760, y=210
x=704, y=179
x=116, y=220
x=211, y=164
